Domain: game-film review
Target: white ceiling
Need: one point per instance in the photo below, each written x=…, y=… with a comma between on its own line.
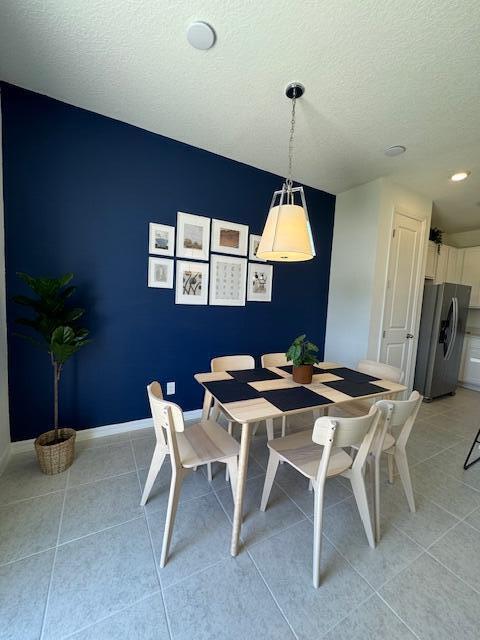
x=377, y=73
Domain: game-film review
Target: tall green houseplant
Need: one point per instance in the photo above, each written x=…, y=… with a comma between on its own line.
x=56, y=322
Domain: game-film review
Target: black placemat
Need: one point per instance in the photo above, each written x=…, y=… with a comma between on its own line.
x=354, y=389
x=294, y=398
x=231, y=390
x=352, y=375
x=288, y=368
x=254, y=375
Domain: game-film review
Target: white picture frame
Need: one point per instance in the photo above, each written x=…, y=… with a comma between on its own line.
x=161, y=239
x=188, y=289
x=252, y=248
x=227, y=281
x=259, y=282
x=160, y=273
x=193, y=236
x=229, y=237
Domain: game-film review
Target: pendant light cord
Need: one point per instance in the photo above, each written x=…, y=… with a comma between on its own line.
x=289, y=182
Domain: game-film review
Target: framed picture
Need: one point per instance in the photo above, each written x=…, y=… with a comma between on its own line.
x=259, y=287
x=229, y=237
x=227, y=281
x=193, y=236
x=161, y=239
x=252, y=252
x=160, y=273
x=192, y=283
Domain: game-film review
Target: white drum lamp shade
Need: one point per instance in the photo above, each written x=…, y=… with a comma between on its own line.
x=287, y=236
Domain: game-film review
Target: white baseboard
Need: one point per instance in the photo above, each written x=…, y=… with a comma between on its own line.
x=100, y=432
x=5, y=457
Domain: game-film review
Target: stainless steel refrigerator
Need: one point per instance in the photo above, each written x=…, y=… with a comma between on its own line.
x=440, y=340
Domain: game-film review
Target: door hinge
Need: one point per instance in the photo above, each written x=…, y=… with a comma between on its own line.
x=383, y=334
x=393, y=234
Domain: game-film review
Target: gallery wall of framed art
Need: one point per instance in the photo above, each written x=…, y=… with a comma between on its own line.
x=222, y=267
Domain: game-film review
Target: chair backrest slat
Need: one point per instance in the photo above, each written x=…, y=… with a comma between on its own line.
x=232, y=363
x=349, y=431
x=345, y=432
x=274, y=360
x=380, y=370
x=166, y=415
x=401, y=413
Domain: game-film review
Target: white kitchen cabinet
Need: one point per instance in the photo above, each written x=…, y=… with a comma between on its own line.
x=454, y=265
x=443, y=253
x=471, y=273
x=470, y=368
x=431, y=260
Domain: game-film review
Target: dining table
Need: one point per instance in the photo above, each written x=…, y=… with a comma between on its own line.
x=250, y=396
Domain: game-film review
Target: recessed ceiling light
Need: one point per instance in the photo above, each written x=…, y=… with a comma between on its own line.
x=396, y=150
x=201, y=35
x=459, y=176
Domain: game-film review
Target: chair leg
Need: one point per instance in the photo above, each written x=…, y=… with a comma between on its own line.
x=284, y=426
x=376, y=501
x=175, y=487
x=255, y=428
x=402, y=466
x=317, y=535
x=316, y=413
x=155, y=466
x=310, y=485
x=390, y=468
x=270, y=434
x=214, y=412
x=360, y=493
x=232, y=466
x=209, y=471
x=272, y=467
x=230, y=431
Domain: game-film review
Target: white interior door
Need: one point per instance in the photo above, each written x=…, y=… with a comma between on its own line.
x=402, y=286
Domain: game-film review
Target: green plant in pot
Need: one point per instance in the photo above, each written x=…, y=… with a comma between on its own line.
x=303, y=355
x=56, y=322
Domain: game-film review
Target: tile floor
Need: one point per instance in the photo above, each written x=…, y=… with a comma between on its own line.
x=79, y=556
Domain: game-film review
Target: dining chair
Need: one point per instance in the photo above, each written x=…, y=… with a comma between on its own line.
x=221, y=364
x=274, y=360
x=399, y=414
x=202, y=443
x=319, y=455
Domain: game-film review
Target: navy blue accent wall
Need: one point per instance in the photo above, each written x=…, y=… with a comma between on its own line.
x=80, y=190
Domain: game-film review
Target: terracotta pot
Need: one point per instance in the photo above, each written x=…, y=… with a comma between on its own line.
x=55, y=458
x=303, y=374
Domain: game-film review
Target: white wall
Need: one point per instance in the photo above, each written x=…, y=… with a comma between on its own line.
x=4, y=417
x=473, y=319
x=351, y=273
x=464, y=238
x=358, y=276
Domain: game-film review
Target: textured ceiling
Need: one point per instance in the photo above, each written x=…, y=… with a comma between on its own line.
x=377, y=73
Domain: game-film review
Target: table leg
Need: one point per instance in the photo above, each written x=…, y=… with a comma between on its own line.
x=241, y=479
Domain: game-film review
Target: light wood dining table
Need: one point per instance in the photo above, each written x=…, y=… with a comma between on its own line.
x=251, y=410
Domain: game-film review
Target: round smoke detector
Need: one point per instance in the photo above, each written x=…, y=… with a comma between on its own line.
x=201, y=35
x=396, y=150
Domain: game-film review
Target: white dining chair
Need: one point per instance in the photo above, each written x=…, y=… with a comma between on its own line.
x=221, y=364
x=400, y=415
x=320, y=455
x=274, y=360
x=202, y=443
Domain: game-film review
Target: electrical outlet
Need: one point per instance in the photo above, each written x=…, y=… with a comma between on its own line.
x=170, y=388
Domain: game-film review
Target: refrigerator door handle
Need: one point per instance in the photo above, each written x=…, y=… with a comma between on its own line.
x=453, y=335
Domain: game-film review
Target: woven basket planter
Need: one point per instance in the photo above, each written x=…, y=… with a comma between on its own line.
x=55, y=458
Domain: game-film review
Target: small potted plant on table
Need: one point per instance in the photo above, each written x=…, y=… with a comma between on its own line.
x=56, y=323
x=302, y=354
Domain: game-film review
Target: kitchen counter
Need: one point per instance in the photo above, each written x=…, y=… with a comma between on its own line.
x=472, y=331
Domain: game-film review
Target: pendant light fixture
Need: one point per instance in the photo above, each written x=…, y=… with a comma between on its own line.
x=287, y=236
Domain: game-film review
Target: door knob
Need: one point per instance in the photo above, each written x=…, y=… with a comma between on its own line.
x=410, y=336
